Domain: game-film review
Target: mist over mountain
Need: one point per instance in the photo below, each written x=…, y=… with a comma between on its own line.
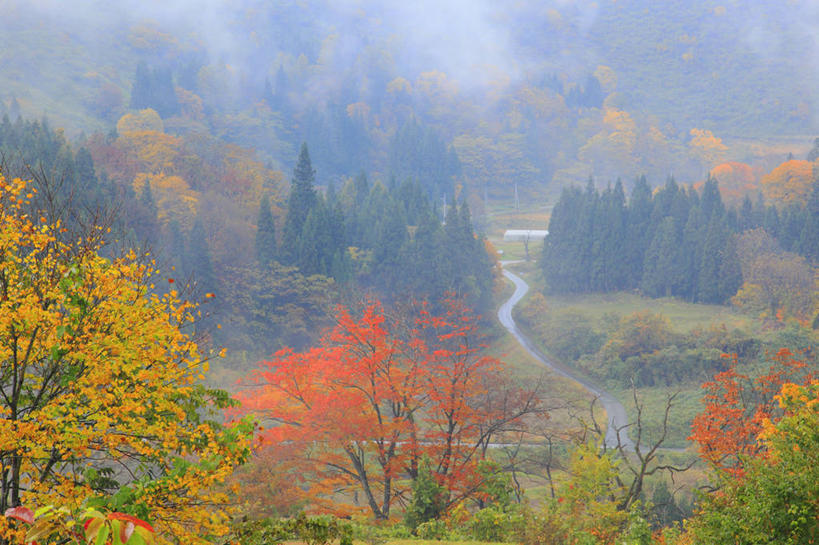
x=561, y=89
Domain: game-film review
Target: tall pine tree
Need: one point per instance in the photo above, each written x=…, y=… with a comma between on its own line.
x=301, y=201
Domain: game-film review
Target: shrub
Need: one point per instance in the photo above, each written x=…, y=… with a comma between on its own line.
x=493, y=524
x=432, y=529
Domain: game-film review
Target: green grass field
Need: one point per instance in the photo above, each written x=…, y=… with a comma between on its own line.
x=683, y=316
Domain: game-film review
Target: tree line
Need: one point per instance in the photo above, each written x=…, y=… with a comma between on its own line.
x=391, y=239
x=674, y=241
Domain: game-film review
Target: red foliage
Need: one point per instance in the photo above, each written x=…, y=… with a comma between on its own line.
x=379, y=393
x=736, y=408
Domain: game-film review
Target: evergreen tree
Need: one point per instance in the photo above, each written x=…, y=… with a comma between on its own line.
x=148, y=223
x=427, y=261
x=746, y=219
x=771, y=222
x=141, y=89
x=301, y=201
x=791, y=225
x=609, y=269
x=711, y=200
x=199, y=259
x=154, y=89
x=387, y=252
x=561, y=260
x=709, y=283
x=638, y=235
x=730, y=272
x=265, y=234
x=662, y=276
x=315, y=251
x=809, y=237
x=589, y=211
x=420, y=154
x=692, y=242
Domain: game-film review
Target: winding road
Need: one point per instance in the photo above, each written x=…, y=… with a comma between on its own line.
x=614, y=409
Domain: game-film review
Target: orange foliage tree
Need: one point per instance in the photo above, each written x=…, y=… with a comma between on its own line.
x=788, y=183
x=357, y=413
x=736, y=180
x=737, y=409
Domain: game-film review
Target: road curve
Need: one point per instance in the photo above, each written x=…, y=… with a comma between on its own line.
x=614, y=409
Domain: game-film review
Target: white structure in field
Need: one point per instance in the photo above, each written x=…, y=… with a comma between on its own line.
x=524, y=235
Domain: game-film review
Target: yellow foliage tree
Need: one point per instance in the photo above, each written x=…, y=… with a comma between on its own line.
x=100, y=393
x=175, y=199
x=706, y=147
x=788, y=183
x=153, y=151
x=143, y=120
x=611, y=152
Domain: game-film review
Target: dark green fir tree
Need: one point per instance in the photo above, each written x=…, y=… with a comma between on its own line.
x=265, y=234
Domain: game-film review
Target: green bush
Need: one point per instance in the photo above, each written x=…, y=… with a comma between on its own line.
x=432, y=529
x=567, y=334
x=493, y=524
x=428, y=498
x=318, y=530
x=321, y=530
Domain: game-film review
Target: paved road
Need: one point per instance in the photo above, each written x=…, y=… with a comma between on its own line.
x=615, y=410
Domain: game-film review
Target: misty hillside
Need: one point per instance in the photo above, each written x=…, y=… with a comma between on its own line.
x=441, y=271
x=553, y=91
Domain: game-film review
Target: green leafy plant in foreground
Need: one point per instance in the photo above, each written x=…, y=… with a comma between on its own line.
x=90, y=526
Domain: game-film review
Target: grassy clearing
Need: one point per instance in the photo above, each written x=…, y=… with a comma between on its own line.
x=683, y=316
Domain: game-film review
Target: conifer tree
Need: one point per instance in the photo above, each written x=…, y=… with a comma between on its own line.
x=301, y=201
x=387, y=252
x=638, y=235
x=791, y=225
x=730, y=272
x=711, y=200
x=771, y=222
x=265, y=234
x=746, y=219
x=148, y=223
x=315, y=251
x=708, y=277
x=809, y=237
x=692, y=241
x=199, y=259
x=661, y=275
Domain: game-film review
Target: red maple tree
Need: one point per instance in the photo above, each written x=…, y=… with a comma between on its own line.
x=736, y=409
x=358, y=412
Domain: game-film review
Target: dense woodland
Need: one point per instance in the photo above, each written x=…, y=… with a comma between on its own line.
x=310, y=197
x=672, y=242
